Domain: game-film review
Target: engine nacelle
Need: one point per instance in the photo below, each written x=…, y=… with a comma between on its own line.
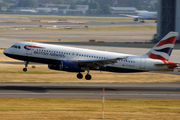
x=66, y=66
x=135, y=19
x=54, y=67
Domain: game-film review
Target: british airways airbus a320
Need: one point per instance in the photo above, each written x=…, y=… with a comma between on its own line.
x=79, y=60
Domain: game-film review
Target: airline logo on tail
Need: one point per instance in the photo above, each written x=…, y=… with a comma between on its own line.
x=163, y=49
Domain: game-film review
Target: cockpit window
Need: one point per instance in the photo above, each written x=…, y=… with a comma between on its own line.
x=12, y=46
x=17, y=47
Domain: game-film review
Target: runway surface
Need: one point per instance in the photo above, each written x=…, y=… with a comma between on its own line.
x=90, y=23
x=91, y=90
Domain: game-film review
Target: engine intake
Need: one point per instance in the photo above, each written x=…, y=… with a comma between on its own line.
x=66, y=66
x=135, y=19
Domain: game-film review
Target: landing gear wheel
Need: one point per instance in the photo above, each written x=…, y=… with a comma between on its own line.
x=24, y=69
x=88, y=77
x=26, y=64
x=79, y=76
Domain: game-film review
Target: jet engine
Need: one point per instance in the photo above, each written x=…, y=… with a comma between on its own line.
x=135, y=19
x=66, y=66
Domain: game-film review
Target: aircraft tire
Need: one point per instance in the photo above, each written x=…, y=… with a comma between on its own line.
x=88, y=77
x=24, y=69
x=79, y=76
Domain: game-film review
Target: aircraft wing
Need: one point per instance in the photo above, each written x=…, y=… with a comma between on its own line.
x=96, y=63
x=134, y=16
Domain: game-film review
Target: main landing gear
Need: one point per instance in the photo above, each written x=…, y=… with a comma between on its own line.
x=79, y=76
x=26, y=64
x=87, y=77
x=142, y=21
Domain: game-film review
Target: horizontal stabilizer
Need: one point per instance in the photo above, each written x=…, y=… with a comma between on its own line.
x=168, y=64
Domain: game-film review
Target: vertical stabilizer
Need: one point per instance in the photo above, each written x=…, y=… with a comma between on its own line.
x=162, y=50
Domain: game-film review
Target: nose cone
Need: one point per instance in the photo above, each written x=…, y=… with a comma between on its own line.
x=6, y=51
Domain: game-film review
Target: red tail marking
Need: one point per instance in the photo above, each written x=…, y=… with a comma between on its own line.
x=170, y=40
x=154, y=56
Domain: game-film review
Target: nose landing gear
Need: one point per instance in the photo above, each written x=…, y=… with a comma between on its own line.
x=26, y=64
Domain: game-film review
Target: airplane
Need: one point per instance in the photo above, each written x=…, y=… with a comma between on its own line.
x=79, y=60
x=143, y=15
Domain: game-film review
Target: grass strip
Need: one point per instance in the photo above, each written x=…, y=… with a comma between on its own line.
x=87, y=109
x=41, y=73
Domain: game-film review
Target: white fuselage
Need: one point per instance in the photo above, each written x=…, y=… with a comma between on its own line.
x=53, y=54
x=147, y=15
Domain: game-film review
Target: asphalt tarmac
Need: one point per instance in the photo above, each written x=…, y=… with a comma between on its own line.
x=91, y=90
x=89, y=23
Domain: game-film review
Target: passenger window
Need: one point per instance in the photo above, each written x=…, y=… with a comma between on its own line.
x=15, y=46
x=19, y=47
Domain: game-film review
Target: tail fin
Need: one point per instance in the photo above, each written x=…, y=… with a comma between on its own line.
x=162, y=50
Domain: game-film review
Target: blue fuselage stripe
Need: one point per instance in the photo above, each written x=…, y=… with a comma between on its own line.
x=52, y=61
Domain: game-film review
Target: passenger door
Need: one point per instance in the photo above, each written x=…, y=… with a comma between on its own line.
x=29, y=48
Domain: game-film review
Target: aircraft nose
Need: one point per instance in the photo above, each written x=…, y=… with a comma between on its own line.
x=6, y=51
